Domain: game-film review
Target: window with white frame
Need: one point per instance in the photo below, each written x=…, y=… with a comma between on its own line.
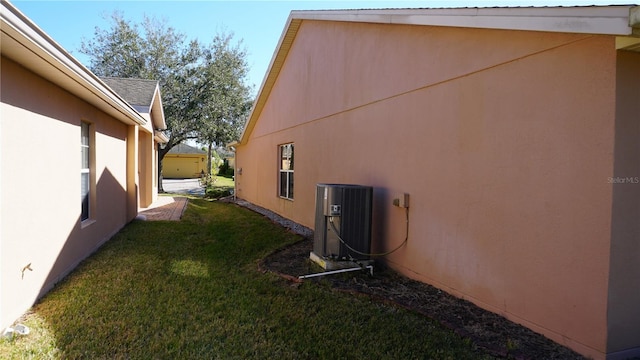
x=286, y=171
x=85, y=169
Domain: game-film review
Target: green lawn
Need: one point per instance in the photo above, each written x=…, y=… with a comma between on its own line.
x=224, y=181
x=220, y=186
x=192, y=290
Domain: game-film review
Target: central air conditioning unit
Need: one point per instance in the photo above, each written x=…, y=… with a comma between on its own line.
x=343, y=222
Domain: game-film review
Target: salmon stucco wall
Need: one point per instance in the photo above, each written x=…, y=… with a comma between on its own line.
x=40, y=157
x=503, y=139
x=147, y=161
x=146, y=169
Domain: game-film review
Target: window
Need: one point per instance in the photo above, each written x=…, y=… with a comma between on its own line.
x=85, y=170
x=286, y=171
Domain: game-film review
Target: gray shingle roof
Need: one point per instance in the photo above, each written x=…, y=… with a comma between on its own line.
x=185, y=149
x=137, y=92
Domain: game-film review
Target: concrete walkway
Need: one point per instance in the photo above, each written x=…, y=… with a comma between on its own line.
x=183, y=186
x=168, y=208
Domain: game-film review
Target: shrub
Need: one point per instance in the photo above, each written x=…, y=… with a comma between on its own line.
x=225, y=169
x=215, y=193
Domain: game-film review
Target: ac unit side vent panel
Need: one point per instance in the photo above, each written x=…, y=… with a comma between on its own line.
x=343, y=221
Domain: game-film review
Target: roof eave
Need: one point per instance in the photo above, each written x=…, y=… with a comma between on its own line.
x=277, y=60
x=24, y=42
x=618, y=20
x=160, y=137
x=232, y=145
x=159, y=122
x=606, y=20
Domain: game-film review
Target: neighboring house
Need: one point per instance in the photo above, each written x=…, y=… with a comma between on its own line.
x=184, y=162
x=74, y=160
x=514, y=130
x=231, y=160
x=227, y=155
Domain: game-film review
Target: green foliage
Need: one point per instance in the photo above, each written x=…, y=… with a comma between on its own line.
x=225, y=169
x=223, y=95
x=191, y=290
x=216, y=187
x=203, y=86
x=216, y=161
x=218, y=192
x=156, y=52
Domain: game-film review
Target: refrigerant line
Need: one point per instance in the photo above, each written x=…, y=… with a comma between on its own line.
x=370, y=267
x=406, y=238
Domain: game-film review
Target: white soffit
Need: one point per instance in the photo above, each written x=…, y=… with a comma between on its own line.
x=607, y=20
x=25, y=43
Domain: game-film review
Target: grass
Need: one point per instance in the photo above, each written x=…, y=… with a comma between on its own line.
x=224, y=181
x=219, y=186
x=191, y=289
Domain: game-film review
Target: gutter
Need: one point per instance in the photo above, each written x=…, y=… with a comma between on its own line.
x=605, y=20
x=24, y=42
x=160, y=136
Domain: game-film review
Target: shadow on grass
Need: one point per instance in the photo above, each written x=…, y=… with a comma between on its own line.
x=191, y=289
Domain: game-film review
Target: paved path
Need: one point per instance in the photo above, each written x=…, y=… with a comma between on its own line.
x=168, y=208
x=183, y=186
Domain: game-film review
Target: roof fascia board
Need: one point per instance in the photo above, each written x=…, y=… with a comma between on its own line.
x=277, y=60
x=156, y=106
x=160, y=137
x=616, y=20
x=53, y=56
x=606, y=20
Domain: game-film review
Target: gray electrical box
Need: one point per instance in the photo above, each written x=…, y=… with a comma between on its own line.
x=343, y=221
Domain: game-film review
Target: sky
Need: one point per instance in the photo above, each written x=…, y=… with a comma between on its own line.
x=257, y=24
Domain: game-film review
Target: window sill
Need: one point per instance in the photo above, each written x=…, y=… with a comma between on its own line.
x=284, y=198
x=86, y=223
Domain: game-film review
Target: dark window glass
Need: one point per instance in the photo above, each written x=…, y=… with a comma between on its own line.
x=85, y=172
x=286, y=171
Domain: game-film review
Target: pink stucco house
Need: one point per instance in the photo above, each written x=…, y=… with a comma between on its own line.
x=515, y=131
x=77, y=161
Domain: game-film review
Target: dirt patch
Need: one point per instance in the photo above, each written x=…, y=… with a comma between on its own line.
x=490, y=332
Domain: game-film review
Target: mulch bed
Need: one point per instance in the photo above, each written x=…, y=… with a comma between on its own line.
x=490, y=332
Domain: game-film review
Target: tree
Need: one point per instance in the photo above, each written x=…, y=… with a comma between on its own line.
x=223, y=95
x=159, y=52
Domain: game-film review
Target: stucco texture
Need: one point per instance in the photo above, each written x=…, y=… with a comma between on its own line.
x=40, y=186
x=503, y=139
